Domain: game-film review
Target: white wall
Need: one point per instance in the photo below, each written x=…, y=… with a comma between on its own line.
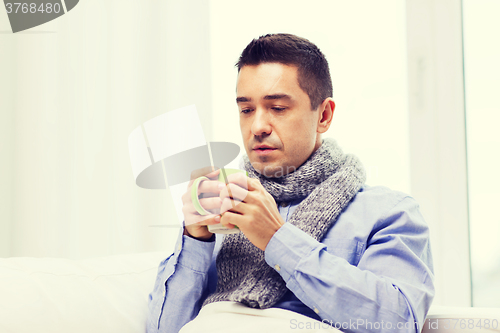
x=7, y=91
x=73, y=90
x=365, y=45
x=104, y=69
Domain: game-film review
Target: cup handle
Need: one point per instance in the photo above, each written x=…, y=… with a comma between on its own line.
x=194, y=196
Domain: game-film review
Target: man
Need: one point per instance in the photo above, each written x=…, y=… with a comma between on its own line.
x=315, y=240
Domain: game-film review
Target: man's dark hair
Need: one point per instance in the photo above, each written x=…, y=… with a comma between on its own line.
x=313, y=72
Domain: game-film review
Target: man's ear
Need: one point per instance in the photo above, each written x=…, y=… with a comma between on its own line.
x=326, y=110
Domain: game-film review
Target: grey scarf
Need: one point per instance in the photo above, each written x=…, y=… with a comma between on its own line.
x=329, y=179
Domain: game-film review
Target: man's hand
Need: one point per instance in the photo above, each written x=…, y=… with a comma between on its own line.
x=247, y=205
x=196, y=224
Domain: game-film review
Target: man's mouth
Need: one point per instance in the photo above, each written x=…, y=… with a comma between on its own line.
x=263, y=149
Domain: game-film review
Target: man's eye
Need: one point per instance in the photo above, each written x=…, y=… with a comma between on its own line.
x=278, y=109
x=246, y=110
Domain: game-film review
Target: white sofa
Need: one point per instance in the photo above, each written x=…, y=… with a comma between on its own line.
x=110, y=294
x=102, y=295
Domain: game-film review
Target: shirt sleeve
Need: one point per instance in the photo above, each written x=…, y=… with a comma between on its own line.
x=391, y=288
x=180, y=285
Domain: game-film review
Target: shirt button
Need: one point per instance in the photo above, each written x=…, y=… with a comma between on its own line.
x=316, y=310
x=284, y=204
x=179, y=247
x=278, y=268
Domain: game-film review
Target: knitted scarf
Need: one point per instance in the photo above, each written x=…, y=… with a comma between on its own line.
x=329, y=180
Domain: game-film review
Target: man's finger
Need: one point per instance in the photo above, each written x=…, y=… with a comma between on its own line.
x=232, y=205
x=233, y=191
x=203, y=220
x=230, y=219
x=211, y=203
x=239, y=179
x=208, y=172
x=210, y=186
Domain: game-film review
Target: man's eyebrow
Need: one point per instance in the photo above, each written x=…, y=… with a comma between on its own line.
x=242, y=99
x=277, y=96
x=267, y=97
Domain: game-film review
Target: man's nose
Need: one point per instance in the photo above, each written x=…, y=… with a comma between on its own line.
x=261, y=125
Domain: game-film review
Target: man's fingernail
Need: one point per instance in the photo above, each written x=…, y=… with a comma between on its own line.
x=217, y=218
x=221, y=186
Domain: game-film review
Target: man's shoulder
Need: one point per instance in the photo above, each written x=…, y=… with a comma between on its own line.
x=381, y=194
x=380, y=200
x=375, y=208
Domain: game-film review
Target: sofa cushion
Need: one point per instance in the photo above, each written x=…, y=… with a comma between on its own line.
x=108, y=294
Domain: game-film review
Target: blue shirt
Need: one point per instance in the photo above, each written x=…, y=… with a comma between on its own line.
x=371, y=272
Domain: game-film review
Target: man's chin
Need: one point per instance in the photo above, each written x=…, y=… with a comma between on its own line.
x=272, y=171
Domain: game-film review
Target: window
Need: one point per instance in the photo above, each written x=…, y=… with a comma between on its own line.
x=482, y=89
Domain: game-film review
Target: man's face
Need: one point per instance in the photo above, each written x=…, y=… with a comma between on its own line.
x=279, y=128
